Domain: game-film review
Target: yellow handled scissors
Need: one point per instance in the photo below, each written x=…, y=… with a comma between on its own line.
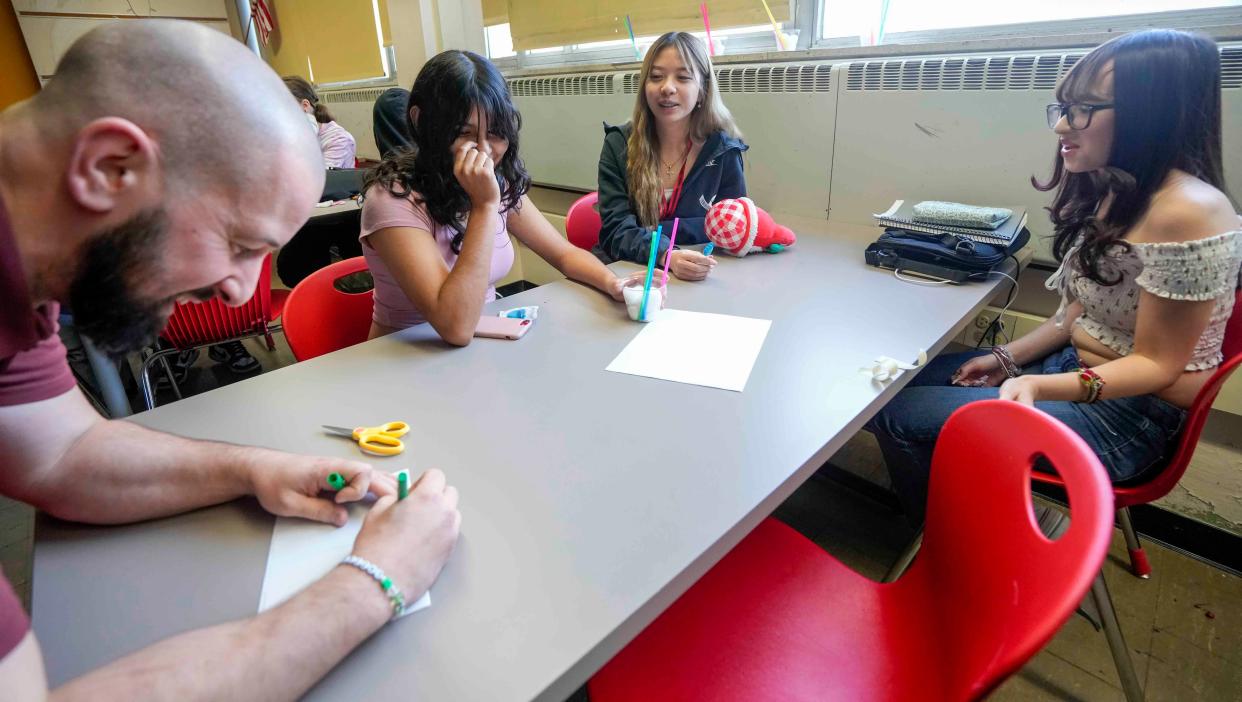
x=380, y=441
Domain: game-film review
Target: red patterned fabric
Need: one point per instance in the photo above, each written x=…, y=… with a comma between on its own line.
x=732, y=225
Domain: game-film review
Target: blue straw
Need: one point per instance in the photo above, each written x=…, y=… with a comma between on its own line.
x=655, y=248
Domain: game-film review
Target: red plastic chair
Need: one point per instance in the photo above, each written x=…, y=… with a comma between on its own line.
x=194, y=325
x=320, y=319
x=779, y=619
x=582, y=222
x=1164, y=481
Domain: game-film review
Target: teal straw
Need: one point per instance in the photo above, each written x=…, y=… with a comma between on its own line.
x=630, y=26
x=883, y=21
x=655, y=249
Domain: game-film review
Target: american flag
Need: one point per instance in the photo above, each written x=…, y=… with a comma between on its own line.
x=262, y=18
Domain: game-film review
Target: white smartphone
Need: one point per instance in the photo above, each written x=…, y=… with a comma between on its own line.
x=502, y=327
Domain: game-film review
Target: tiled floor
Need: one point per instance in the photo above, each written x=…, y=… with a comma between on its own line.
x=1183, y=626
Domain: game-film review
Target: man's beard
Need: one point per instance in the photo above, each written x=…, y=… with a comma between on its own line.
x=104, y=297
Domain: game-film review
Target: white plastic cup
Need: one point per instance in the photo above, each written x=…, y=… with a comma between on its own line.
x=633, y=292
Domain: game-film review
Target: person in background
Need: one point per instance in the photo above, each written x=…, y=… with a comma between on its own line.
x=679, y=154
x=121, y=192
x=337, y=144
x=1150, y=248
x=436, y=219
x=390, y=123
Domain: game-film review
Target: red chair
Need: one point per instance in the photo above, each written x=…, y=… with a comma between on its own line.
x=194, y=325
x=1164, y=481
x=582, y=222
x=320, y=319
x=779, y=619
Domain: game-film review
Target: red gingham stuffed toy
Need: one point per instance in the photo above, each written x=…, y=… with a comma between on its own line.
x=740, y=227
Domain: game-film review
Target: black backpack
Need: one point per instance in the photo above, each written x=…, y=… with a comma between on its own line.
x=948, y=256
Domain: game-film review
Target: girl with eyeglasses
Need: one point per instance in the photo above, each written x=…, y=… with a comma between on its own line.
x=1149, y=247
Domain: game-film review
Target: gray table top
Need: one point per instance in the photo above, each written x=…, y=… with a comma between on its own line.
x=577, y=531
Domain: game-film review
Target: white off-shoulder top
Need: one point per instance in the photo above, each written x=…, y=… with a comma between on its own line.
x=1204, y=269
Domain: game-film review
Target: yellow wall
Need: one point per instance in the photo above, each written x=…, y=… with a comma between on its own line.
x=337, y=35
x=19, y=80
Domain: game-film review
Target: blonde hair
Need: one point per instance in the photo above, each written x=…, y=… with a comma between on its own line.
x=709, y=116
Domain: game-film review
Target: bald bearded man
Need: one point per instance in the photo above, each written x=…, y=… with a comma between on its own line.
x=121, y=192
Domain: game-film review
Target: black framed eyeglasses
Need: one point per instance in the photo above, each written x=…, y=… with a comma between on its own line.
x=1077, y=113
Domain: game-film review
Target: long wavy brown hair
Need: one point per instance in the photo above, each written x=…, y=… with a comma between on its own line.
x=643, y=148
x=1166, y=97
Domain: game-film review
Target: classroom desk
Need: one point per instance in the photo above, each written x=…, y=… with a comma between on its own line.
x=580, y=525
x=344, y=206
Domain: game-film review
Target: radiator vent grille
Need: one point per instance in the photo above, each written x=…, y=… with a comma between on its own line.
x=594, y=84
x=369, y=95
x=975, y=73
x=991, y=73
x=775, y=79
x=1231, y=68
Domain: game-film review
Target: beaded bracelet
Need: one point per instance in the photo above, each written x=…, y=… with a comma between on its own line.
x=394, y=593
x=1006, y=360
x=1092, y=383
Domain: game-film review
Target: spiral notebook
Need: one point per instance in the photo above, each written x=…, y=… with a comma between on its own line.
x=901, y=216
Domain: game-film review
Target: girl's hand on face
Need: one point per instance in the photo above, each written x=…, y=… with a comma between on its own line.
x=476, y=173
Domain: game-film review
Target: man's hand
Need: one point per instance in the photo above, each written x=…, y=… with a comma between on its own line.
x=412, y=538
x=288, y=485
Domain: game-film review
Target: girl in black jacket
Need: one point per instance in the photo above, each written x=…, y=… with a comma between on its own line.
x=679, y=155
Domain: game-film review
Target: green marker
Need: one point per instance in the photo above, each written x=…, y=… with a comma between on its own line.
x=403, y=485
x=336, y=481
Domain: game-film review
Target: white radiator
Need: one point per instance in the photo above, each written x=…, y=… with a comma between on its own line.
x=352, y=110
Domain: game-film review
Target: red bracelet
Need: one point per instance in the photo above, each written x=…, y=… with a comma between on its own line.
x=1092, y=383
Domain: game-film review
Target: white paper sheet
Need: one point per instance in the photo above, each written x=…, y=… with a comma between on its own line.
x=303, y=551
x=714, y=350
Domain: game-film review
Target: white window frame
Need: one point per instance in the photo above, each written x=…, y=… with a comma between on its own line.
x=807, y=20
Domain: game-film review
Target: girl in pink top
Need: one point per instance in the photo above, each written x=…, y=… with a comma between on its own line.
x=338, y=145
x=436, y=219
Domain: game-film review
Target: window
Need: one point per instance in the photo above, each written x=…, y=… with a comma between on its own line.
x=868, y=22
x=825, y=24
x=332, y=42
x=520, y=33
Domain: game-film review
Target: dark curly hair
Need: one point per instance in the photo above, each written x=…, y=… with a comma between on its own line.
x=1166, y=97
x=448, y=88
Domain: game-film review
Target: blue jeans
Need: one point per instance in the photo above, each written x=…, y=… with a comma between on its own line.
x=1131, y=435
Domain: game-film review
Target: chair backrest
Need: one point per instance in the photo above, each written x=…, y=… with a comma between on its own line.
x=582, y=222
x=320, y=319
x=197, y=323
x=1164, y=481
x=990, y=583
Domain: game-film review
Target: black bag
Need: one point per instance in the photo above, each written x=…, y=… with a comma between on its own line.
x=948, y=256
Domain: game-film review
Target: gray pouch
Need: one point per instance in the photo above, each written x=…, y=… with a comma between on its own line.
x=958, y=215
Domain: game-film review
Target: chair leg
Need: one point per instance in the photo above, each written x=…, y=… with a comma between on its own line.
x=172, y=379
x=1139, y=564
x=1116, y=641
x=148, y=390
x=905, y=559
